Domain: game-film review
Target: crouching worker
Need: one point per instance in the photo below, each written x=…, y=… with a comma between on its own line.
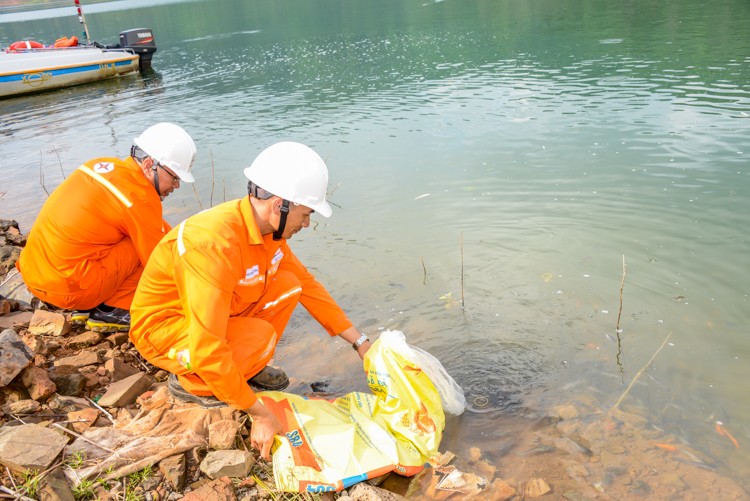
x=88, y=246
x=219, y=290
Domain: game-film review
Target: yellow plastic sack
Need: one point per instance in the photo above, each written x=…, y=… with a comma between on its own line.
x=334, y=444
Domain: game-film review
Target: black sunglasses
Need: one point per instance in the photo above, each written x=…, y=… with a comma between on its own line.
x=175, y=179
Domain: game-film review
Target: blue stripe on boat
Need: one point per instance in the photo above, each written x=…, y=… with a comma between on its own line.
x=61, y=71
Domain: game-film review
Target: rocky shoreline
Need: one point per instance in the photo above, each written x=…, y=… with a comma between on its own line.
x=59, y=382
x=84, y=416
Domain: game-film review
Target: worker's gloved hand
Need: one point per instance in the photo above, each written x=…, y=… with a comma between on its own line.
x=265, y=427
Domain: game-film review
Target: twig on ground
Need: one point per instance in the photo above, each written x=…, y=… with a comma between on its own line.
x=424, y=272
x=15, y=494
x=36, y=478
x=109, y=416
x=638, y=374
x=12, y=481
x=18, y=419
x=143, y=364
x=77, y=435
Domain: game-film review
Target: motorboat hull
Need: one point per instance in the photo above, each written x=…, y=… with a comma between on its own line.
x=39, y=70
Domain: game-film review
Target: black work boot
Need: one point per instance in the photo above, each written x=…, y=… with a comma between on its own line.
x=181, y=394
x=269, y=379
x=105, y=318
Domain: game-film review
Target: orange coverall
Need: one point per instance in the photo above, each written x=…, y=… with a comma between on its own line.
x=93, y=236
x=219, y=292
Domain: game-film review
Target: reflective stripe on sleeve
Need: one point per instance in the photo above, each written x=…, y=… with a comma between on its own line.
x=282, y=297
x=111, y=187
x=180, y=244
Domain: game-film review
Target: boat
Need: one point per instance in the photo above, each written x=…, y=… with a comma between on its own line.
x=27, y=66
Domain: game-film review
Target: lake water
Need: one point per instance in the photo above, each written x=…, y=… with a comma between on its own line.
x=536, y=192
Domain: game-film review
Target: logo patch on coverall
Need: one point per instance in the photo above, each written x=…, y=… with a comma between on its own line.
x=252, y=276
x=275, y=261
x=104, y=167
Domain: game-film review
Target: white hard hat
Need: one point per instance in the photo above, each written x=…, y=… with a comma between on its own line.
x=293, y=172
x=171, y=146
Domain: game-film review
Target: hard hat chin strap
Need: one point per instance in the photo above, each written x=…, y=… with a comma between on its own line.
x=282, y=220
x=156, y=179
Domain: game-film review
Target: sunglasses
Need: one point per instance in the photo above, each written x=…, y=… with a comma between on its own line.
x=175, y=179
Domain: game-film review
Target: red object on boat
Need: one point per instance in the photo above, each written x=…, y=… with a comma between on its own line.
x=24, y=45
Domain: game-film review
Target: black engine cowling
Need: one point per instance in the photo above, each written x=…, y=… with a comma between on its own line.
x=142, y=42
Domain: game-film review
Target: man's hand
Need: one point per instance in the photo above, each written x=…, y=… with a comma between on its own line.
x=265, y=427
x=350, y=335
x=363, y=349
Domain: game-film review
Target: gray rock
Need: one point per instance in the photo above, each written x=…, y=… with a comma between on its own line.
x=29, y=447
x=84, y=340
x=173, y=469
x=48, y=323
x=54, y=487
x=63, y=404
x=22, y=407
x=221, y=434
x=233, y=463
x=81, y=359
x=15, y=319
x=38, y=383
x=15, y=356
x=125, y=391
x=118, y=370
x=12, y=286
x=68, y=380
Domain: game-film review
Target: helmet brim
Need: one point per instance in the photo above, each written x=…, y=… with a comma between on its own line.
x=323, y=208
x=185, y=176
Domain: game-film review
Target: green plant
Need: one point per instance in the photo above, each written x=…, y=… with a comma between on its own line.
x=30, y=482
x=76, y=460
x=85, y=489
x=134, y=480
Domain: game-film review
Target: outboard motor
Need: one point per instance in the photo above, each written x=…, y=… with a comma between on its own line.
x=142, y=42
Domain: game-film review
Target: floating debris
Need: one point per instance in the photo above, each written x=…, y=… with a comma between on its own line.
x=723, y=432
x=668, y=447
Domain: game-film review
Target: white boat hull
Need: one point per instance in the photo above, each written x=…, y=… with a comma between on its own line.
x=45, y=69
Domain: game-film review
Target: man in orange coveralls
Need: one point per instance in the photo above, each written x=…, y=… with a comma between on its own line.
x=94, y=234
x=219, y=289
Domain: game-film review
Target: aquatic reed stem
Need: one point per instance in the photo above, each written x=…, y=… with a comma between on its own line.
x=622, y=284
x=463, y=303
x=59, y=160
x=638, y=374
x=211, y=198
x=197, y=197
x=41, y=174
